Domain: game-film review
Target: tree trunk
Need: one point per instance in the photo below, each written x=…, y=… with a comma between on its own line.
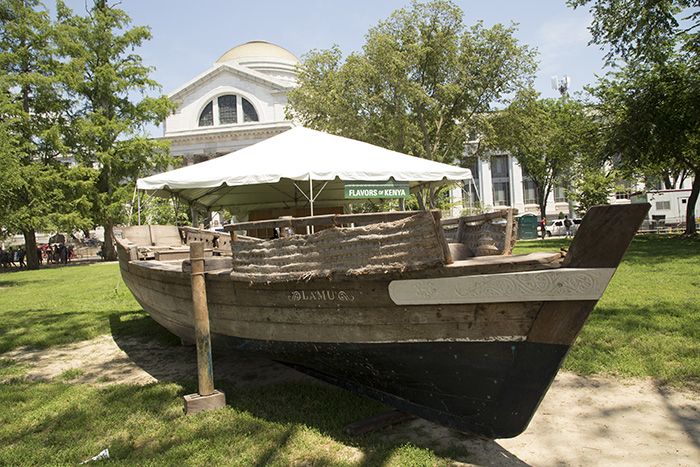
x=30, y=249
x=420, y=197
x=690, y=227
x=108, y=251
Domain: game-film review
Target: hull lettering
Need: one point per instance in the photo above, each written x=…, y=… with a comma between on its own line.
x=320, y=296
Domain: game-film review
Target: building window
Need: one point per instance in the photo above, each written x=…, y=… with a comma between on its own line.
x=624, y=190
x=529, y=192
x=207, y=116
x=249, y=113
x=499, y=167
x=663, y=205
x=228, y=110
x=559, y=194
x=501, y=194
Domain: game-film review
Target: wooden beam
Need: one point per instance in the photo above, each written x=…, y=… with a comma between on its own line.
x=201, y=320
x=208, y=398
x=604, y=235
x=330, y=219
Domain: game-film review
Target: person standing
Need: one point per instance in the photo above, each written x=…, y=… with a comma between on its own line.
x=63, y=253
x=543, y=224
x=20, y=257
x=567, y=226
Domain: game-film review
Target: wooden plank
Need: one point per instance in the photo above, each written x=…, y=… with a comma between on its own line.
x=478, y=218
x=601, y=241
x=560, y=322
x=331, y=219
x=604, y=235
x=196, y=403
x=373, y=217
x=509, y=232
x=441, y=237
x=205, y=372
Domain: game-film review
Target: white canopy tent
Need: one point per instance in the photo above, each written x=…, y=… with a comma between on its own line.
x=298, y=168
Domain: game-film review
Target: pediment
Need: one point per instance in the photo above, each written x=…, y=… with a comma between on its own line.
x=237, y=74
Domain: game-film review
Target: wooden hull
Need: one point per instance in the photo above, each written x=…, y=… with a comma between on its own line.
x=473, y=346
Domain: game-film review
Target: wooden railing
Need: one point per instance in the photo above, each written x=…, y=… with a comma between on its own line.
x=336, y=220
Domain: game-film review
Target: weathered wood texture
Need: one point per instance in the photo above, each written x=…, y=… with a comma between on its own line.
x=600, y=242
x=493, y=233
x=408, y=244
x=337, y=220
x=560, y=322
x=205, y=371
x=604, y=235
x=212, y=239
x=153, y=235
x=196, y=403
x=321, y=311
x=175, y=254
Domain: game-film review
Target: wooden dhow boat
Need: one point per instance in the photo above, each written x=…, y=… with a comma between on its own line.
x=458, y=332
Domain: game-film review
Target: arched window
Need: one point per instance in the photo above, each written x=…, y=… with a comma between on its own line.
x=207, y=116
x=228, y=109
x=249, y=113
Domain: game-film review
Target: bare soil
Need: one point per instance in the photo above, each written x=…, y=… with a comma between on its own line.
x=581, y=422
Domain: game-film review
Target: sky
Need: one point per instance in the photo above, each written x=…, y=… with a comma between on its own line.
x=190, y=35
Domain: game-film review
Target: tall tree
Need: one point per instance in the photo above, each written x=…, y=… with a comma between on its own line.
x=651, y=98
x=546, y=136
x=105, y=78
x=419, y=86
x=653, y=122
x=592, y=184
x=34, y=185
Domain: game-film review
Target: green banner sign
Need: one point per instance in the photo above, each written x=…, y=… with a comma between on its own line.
x=390, y=189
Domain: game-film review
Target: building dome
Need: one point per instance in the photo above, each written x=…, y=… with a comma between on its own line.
x=258, y=49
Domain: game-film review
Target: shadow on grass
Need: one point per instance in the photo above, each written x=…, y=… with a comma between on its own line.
x=275, y=394
x=660, y=340
x=647, y=249
x=685, y=417
x=661, y=318
x=8, y=283
x=139, y=325
x=47, y=328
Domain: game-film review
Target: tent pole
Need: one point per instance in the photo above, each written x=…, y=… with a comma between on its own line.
x=311, y=198
x=138, y=203
x=311, y=194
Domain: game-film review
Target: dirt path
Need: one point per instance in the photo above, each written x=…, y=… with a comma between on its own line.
x=581, y=422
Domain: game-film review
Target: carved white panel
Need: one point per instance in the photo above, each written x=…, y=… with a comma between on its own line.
x=547, y=285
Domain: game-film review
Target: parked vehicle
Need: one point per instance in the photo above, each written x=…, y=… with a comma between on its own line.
x=557, y=227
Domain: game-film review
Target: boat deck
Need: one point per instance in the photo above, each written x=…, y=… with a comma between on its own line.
x=475, y=265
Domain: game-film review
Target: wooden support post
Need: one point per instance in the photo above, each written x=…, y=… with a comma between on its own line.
x=509, y=232
x=208, y=398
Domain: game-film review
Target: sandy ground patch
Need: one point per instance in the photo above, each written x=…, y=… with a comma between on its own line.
x=581, y=422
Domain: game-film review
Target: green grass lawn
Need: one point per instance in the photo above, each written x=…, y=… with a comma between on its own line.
x=646, y=325
x=58, y=423
x=648, y=322
x=71, y=304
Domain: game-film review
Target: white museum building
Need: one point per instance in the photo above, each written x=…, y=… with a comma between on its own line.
x=237, y=102
x=241, y=100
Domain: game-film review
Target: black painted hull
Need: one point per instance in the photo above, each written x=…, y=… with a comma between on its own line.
x=491, y=389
